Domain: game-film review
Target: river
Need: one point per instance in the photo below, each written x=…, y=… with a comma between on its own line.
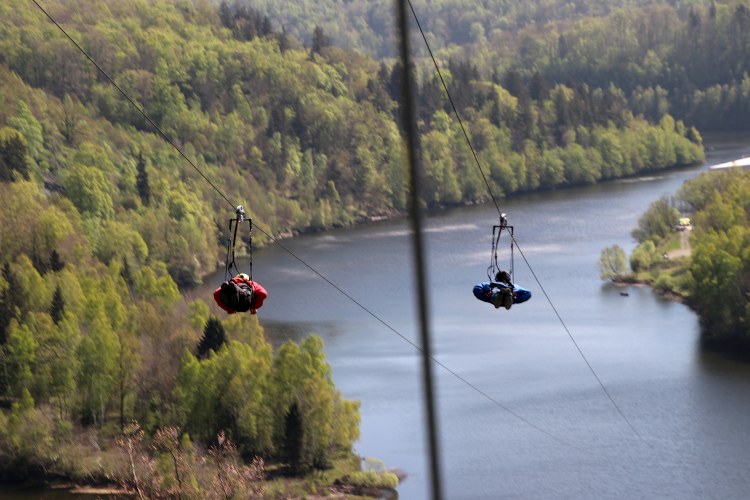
x=564, y=437
x=689, y=408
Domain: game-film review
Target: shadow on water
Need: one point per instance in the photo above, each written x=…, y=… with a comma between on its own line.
x=737, y=350
x=284, y=331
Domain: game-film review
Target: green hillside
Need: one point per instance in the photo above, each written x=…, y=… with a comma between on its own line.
x=686, y=58
x=303, y=138
x=102, y=218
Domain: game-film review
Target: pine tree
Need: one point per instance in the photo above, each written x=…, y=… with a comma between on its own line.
x=125, y=272
x=57, y=308
x=319, y=41
x=13, y=152
x=39, y=263
x=141, y=181
x=283, y=39
x=293, y=434
x=55, y=261
x=213, y=338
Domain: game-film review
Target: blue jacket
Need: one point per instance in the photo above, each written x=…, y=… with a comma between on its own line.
x=484, y=291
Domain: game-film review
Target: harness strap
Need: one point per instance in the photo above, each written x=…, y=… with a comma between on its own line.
x=231, y=268
x=497, y=230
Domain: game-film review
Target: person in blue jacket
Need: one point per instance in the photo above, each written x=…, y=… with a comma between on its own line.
x=501, y=292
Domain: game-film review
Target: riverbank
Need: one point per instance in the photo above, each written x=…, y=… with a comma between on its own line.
x=705, y=268
x=668, y=294
x=645, y=348
x=40, y=451
x=114, y=470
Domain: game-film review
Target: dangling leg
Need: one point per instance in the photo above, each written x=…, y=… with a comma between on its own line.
x=507, y=295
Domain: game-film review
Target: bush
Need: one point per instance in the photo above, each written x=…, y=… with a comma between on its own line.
x=643, y=256
x=664, y=282
x=371, y=479
x=612, y=262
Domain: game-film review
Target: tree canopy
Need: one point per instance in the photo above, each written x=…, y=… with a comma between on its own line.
x=720, y=263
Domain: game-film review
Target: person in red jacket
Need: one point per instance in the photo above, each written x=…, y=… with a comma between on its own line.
x=240, y=294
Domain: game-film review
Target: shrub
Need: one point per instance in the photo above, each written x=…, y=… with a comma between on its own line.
x=372, y=479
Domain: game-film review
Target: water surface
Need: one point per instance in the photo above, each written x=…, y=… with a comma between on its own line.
x=534, y=422
x=689, y=408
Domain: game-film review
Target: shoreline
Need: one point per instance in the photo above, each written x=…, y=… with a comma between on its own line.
x=392, y=214
x=622, y=281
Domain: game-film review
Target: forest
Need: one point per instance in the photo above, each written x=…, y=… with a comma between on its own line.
x=714, y=278
x=102, y=219
x=307, y=137
x=720, y=262
x=685, y=58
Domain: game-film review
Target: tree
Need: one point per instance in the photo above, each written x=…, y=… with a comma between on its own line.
x=213, y=338
x=98, y=368
x=29, y=128
x=141, y=181
x=57, y=308
x=13, y=152
x=319, y=41
x=293, y=439
x=70, y=121
x=643, y=256
x=20, y=358
x=89, y=190
x=128, y=363
x=55, y=261
x=612, y=262
x=58, y=353
x=658, y=221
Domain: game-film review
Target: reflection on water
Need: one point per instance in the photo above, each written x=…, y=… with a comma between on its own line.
x=690, y=407
x=642, y=347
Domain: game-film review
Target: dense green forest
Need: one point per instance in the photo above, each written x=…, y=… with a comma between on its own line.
x=720, y=262
x=368, y=25
x=307, y=138
x=686, y=58
x=102, y=219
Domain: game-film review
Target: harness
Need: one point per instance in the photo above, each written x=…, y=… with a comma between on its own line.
x=231, y=268
x=497, y=230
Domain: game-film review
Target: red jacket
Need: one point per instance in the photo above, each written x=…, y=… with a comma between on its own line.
x=259, y=295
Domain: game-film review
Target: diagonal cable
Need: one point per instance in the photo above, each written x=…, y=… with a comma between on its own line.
x=286, y=249
x=580, y=351
x=455, y=109
x=133, y=103
x=406, y=339
x=494, y=200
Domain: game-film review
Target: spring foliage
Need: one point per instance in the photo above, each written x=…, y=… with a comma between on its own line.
x=311, y=137
x=720, y=263
x=101, y=219
x=716, y=276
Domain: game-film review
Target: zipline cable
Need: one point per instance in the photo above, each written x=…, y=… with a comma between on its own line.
x=291, y=253
x=406, y=339
x=497, y=206
x=455, y=110
x=133, y=103
x=580, y=351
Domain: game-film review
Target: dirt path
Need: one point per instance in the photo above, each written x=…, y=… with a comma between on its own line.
x=684, y=250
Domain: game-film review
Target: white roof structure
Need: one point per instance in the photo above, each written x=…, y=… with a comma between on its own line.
x=742, y=162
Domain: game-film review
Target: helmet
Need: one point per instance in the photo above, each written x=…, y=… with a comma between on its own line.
x=244, y=276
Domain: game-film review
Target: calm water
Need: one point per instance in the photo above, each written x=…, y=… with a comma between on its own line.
x=691, y=408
